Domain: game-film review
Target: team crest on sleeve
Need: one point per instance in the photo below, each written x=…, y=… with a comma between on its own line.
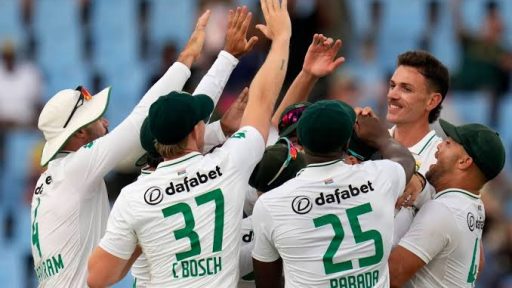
x=239, y=135
x=89, y=145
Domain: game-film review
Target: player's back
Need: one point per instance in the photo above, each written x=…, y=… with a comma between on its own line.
x=332, y=225
x=69, y=215
x=186, y=215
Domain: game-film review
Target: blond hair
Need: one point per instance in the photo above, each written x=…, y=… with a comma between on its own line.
x=170, y=151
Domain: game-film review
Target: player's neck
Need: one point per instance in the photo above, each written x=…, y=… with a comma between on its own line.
x=409, y=134
x=312, y=158
x=463, y=182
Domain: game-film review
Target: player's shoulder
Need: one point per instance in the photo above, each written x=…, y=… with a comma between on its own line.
x=384, y=166
x=286, y=189
x=455, y=199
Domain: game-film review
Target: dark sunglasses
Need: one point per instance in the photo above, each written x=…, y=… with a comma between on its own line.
x=292, y=155
x=84, y=95
x=291, y=117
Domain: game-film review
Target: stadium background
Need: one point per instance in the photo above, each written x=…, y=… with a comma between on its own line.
x=127, y=44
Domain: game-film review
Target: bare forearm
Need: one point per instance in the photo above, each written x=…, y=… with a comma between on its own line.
x=298, y=92
x=268, y=81
x=392, y=150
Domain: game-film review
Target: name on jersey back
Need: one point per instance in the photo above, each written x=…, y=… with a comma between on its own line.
x=187, y=183
x=303, y=204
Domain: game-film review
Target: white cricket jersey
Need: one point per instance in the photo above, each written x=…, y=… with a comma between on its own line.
x=247, y=245
x=212, y=84
x=186, y=215
x=424, y=154
x=332, y=224
x=140, y=269
x=70, y=205
x=251, y=194
x=446, y=234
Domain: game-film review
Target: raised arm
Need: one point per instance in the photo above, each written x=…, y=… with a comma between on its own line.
x=373, y=132
x=320, y=61
x=123, y=142
x=236, y=45
x=268, y=82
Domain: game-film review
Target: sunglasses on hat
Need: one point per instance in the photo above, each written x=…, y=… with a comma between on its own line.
x=291, y=155
x=84, y=95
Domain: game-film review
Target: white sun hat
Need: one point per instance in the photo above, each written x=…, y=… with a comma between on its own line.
x=65, y=113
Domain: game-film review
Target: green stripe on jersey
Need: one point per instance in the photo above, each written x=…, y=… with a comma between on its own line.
x=473, y=196
x=426, y=144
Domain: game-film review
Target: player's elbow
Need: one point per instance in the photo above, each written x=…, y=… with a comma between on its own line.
x=96, y=276
x=93, y=281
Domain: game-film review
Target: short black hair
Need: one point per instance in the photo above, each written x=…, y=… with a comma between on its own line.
x=433, y=70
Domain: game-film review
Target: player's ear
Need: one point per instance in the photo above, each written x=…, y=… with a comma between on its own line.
x=464, y=162
x=434, y=100
x=81, y=133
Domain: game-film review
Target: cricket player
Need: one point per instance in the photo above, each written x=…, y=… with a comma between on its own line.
x=331, y=225
x=70, y=207
x=442, y=246
x=185, y=216
x=320, y=60
x=231, y=118
x=417, y=89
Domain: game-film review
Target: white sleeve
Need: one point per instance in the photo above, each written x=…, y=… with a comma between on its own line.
x=119, y=239
x=426, y=194
x=430, y=231
x=401, y=223
x=212, y=84
x=396, y=175
x=213, y=136
x=251, y=195
x=264, y=248
x=102, y=155
x=245, y=147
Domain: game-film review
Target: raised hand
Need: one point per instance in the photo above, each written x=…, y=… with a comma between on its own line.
x=236, y=34
x=320, y=59
x=277, y=19
x=230, y=121
x=195, y=43
x=369, y=128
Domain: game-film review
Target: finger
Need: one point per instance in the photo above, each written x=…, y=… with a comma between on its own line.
x=334, y=65
x=237, y=16
x=243, y=16
x=250, y=44
x=203, y=20
x=315, y=39
x=321, y=39
x=399, y=203
x=284, y=4
x=246, y=23
x=264, y=9
x=231, y=16
x=358, y=110
x=337, y=45
x=264, y=29
x=328, y=42
x=275, y=5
